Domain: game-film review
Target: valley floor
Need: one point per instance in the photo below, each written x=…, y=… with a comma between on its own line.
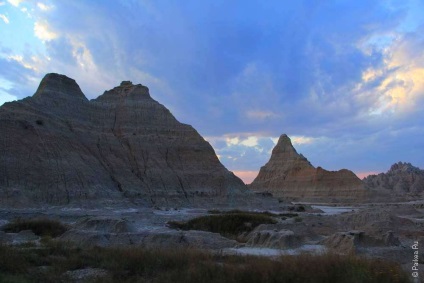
x=366, y=243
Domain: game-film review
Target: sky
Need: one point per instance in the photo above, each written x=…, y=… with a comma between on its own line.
x=344, y=79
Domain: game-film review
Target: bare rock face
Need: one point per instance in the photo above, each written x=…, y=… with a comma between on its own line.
x=353, y=241
x=282, y=239
x=58, y=147
x=401, y=179
x=402, y=220
x=87, y=274
x=105, y=224
x=291, y=176
x=149, y=239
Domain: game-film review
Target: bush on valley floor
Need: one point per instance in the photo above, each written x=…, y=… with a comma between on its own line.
x=230, y=224
x=39, y=226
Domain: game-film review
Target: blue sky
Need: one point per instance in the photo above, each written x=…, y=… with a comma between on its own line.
x=344, y=79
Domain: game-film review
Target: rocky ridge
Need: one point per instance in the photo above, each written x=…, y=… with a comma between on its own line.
x=402, y=178
x=291, y=176
x=58, y=147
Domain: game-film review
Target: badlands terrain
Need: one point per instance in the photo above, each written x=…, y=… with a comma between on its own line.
x=120, y=171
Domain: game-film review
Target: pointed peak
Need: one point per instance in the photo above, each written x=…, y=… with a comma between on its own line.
x=284, y=137
x=126, y=83
x=403, y=167
x=284, y=149
x=284, y=143
x=126, y=90
x=59, y=85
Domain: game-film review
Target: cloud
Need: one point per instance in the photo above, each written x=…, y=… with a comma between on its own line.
x=261, y=115
x=43, y=31
x=399, y=82
x=15, y=2
x=250, y=141
x=232, y=141
x=5, y=97
x=16, y=80
x=4, y=18
x=242, y=151
x=302, y=140
x=362, y=175
x=20, y=60
x=98, y=51
x=43, y=7
x=246, y=176
x=254, y=93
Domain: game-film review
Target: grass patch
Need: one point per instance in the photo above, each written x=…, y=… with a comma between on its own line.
x=134, y=264
x=39, y=226
x=12, y=260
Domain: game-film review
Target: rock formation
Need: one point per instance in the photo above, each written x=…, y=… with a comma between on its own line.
x=401, y=179
x=150, y=239
x=354, y=241
x=58, y=147
x=291, y=176
x=274, y=239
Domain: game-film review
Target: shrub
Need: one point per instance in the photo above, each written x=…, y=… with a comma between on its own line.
x=39, y=122
x=298, y=219
x=230, y=224
x=40, y=226
x=289, y=215
x=300, y=208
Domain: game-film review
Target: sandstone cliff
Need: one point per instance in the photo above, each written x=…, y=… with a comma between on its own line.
x=289, y=175
x=401, y=179
x=58, y=147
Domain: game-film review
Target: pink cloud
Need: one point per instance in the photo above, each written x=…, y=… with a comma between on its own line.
x=246, y=176
x=362, y=175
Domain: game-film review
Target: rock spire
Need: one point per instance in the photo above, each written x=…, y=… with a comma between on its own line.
x=290, y=176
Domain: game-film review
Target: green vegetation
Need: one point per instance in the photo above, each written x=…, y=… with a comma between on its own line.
x=230, y=224
x=49, y=264
x=40, y=226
